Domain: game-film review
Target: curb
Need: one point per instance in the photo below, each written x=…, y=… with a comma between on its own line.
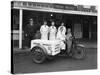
x=20, y=50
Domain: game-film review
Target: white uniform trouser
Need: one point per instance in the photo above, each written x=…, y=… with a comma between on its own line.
x=44, y=36
x=52, y=35
x=62, y=44
x=44, y=32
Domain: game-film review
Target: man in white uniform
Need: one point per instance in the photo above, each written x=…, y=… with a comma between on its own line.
x=53, y=31
x=61, y=35
x=69, y=40
x=44, y=31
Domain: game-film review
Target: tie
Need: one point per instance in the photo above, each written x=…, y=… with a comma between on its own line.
x=53, y=27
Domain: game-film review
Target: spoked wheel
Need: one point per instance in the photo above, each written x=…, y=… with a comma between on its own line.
x=79, y=53
x=38, y=55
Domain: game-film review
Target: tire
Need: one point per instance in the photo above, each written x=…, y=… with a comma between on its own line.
x=38, y=55
x=78, y=53
x=50, y=57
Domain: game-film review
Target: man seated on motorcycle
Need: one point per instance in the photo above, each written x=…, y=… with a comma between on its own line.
x=69, y=40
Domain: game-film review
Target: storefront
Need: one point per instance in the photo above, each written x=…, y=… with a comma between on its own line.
x=80, y=19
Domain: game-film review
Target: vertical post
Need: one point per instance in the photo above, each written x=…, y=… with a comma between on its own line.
x=90, y=31
x=20, y=27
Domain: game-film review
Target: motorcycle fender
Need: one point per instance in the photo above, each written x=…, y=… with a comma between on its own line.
x=80, y=45
x=44, y=49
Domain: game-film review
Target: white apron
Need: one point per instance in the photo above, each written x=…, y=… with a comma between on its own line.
x=44, y=32
x=61, y=33
x=61, y=36
x=52, y=35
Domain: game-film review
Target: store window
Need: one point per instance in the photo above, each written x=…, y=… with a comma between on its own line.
x=15, y=27
x=15, y=19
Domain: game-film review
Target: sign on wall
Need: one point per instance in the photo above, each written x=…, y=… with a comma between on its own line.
x=15, y=35
x=77, y=31
x=37, y=5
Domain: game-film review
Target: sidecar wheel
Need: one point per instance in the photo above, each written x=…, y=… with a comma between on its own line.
x=50, y=57
x=38, y=55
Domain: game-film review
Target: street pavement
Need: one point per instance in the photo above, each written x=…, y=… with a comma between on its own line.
x=23, y=63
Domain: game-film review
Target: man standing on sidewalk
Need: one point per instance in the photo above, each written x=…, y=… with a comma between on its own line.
x=29, y=33
x=69, y=40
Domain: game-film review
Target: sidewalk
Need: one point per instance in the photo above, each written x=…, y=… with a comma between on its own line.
x=17, y=50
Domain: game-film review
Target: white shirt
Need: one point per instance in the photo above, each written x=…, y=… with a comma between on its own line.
x=61, y=33
x=52, y=35
x=44, y=32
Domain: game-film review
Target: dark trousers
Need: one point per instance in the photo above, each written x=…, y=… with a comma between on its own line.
x=28, y=41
